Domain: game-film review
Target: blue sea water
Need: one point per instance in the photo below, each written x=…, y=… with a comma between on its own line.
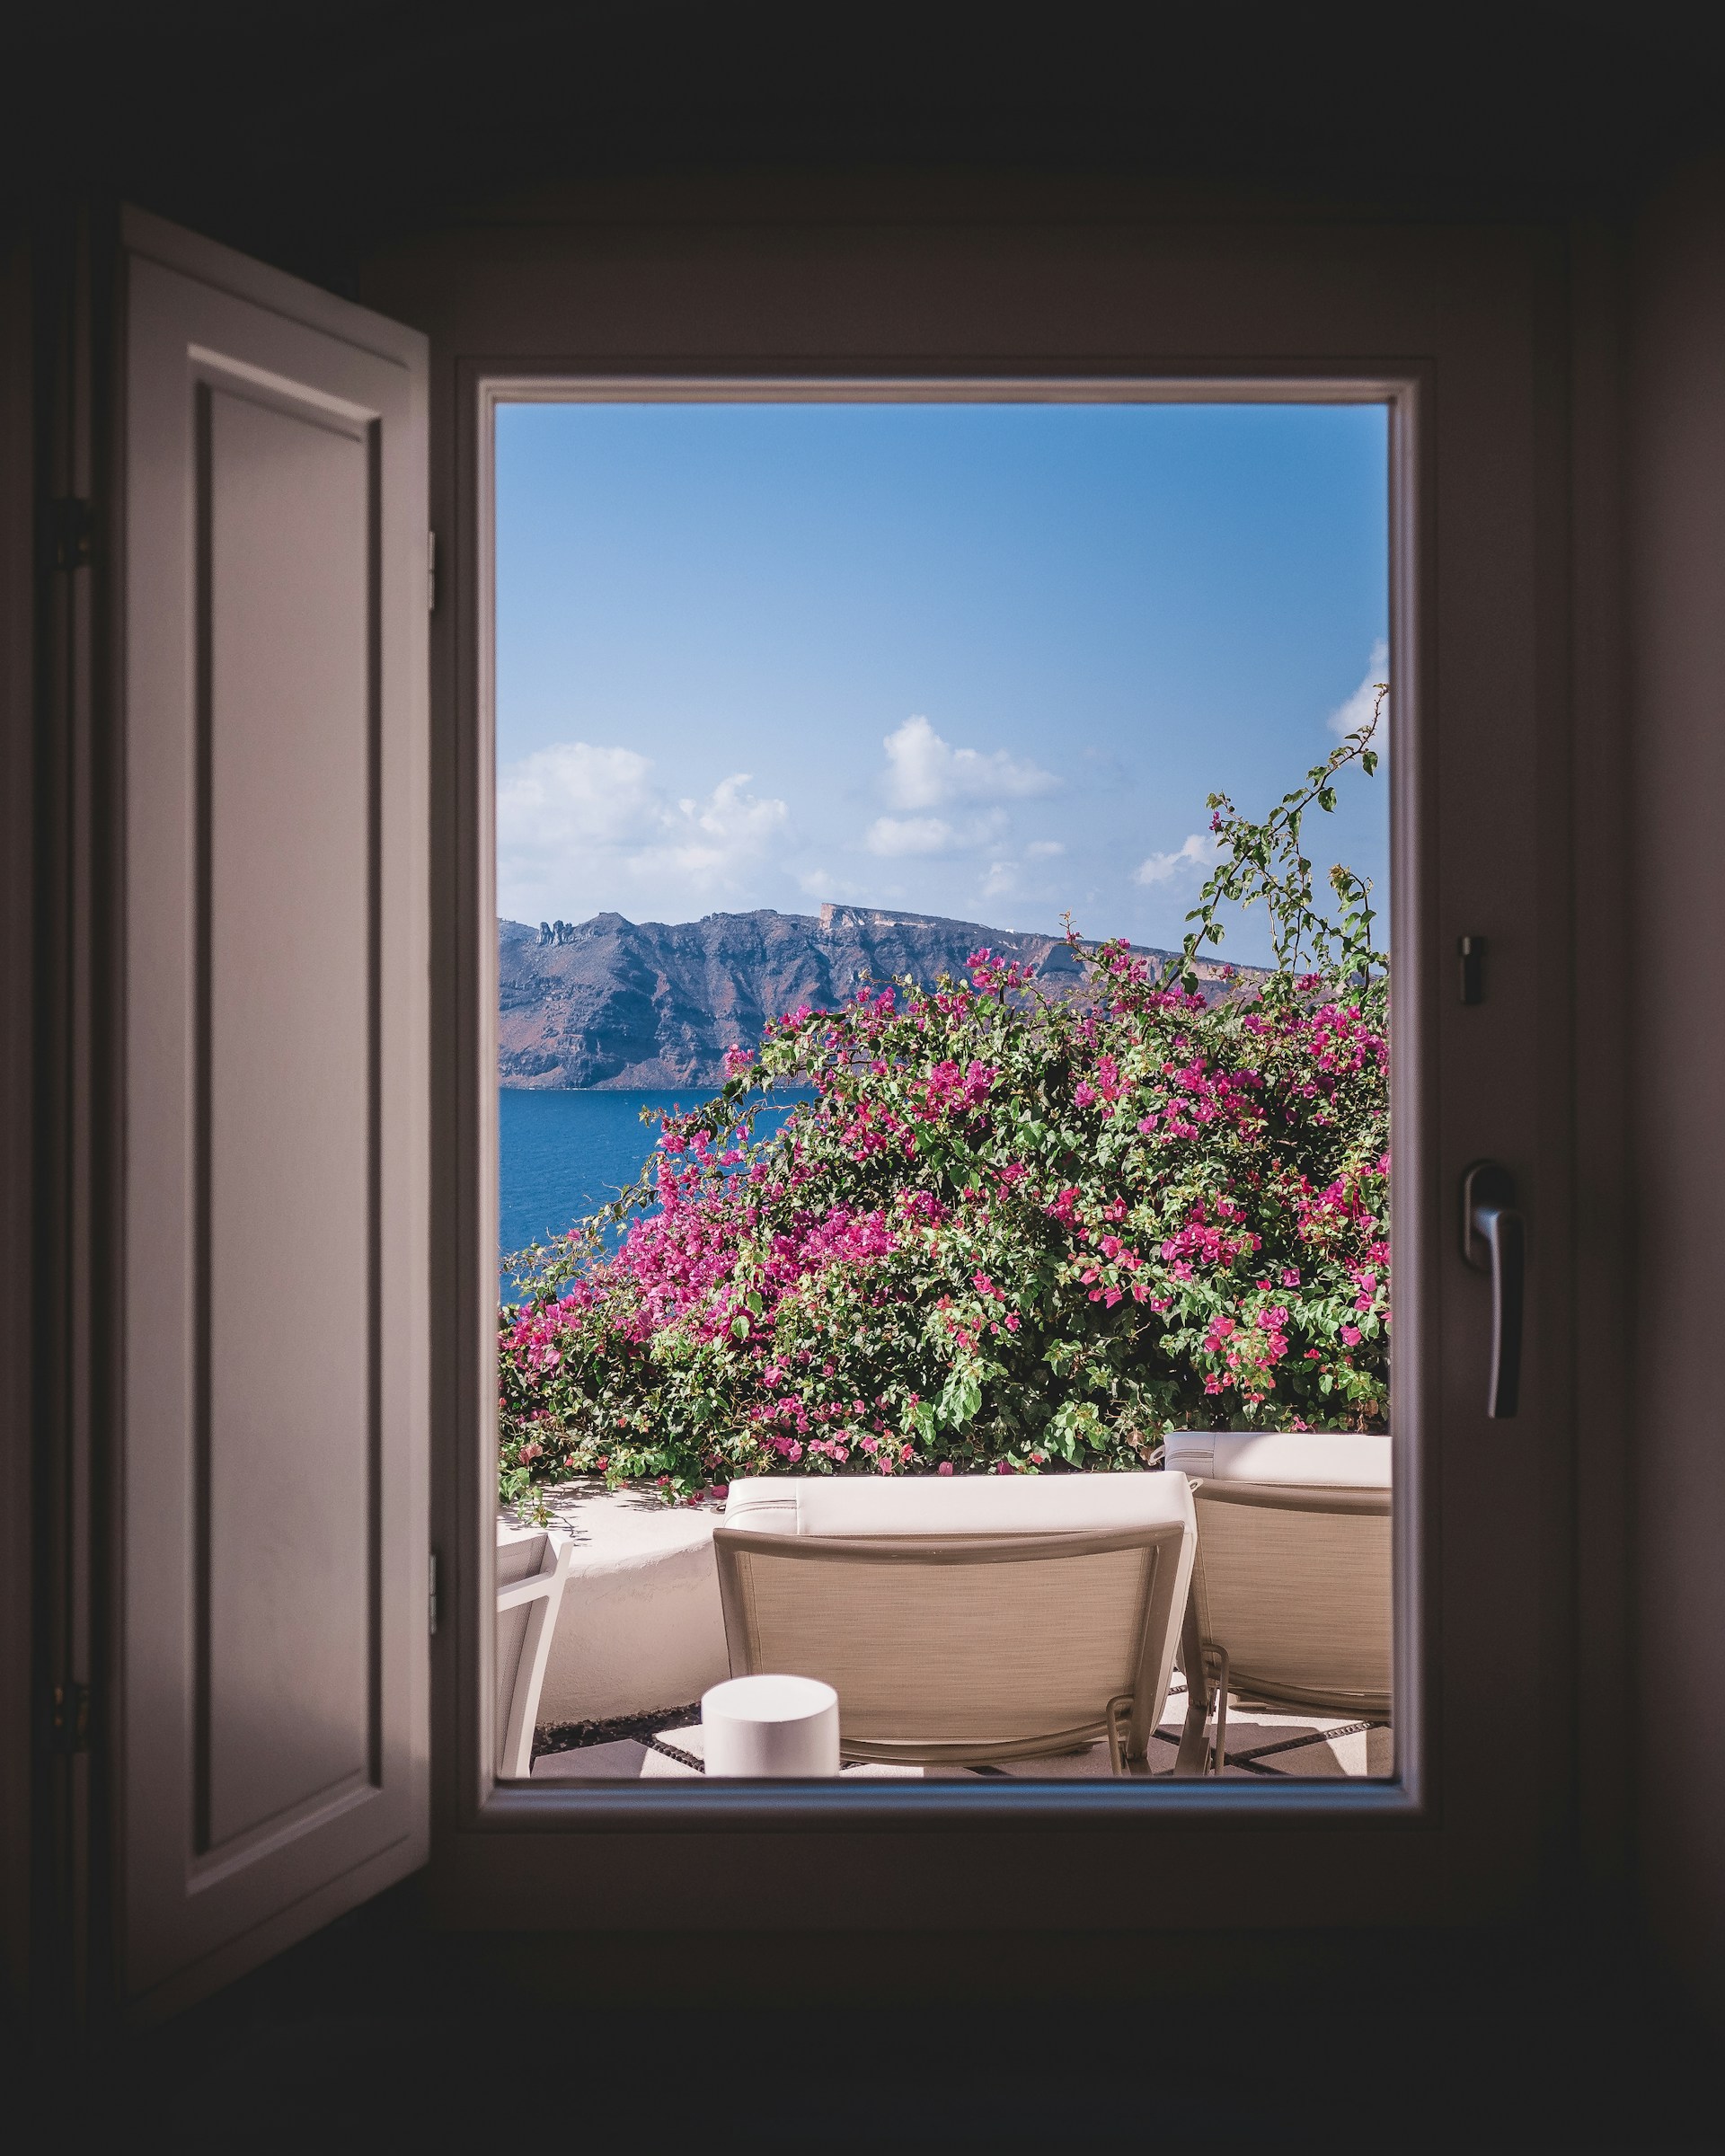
x=563, y=1155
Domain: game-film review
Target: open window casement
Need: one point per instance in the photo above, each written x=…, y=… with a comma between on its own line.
x=270, y=1726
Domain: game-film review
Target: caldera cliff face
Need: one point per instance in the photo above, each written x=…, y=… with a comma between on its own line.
x=625, y=1004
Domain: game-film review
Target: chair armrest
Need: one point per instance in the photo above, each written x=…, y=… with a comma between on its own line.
x=536, y=1584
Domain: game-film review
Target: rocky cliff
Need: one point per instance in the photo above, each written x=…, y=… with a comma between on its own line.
x=620, y=1003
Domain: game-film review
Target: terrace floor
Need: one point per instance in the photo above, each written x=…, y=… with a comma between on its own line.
x=1262, y=1740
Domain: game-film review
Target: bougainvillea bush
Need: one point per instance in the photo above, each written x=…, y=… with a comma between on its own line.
x=1007, y=1231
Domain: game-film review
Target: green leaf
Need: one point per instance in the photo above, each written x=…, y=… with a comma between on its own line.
x=961, y=1397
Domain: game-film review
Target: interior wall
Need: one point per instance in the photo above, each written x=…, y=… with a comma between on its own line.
x=1677, y=983
x=17, y=928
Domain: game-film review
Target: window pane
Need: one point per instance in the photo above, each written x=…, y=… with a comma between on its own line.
x=955, y=721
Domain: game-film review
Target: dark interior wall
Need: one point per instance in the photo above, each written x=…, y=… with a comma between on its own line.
x=1677, y=1119
x=372, y=120
x=381, y=120
x=17, y=921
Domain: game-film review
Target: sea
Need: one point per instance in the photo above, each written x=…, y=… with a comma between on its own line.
x=563, y=1155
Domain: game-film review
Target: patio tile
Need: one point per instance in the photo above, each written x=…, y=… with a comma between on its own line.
x=618, y=1761
x=660, y=1765
x=1361, y=1752
x=1091, y=1764
x=1063, y=1766
x=625, y=1760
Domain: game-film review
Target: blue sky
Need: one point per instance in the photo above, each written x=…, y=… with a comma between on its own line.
x=979, y=660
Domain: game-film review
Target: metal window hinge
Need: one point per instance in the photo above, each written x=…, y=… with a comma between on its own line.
x=431, y=572
x=431, y=1597
x=68, y=1724
x=68, y=533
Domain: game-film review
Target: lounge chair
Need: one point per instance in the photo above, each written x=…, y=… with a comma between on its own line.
x=1290, y=1599
x=532, y=1566
x=966, y=1619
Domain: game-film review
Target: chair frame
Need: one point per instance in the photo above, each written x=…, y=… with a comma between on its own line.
x=1206, y=1661
x=544, y=1590
x=1163, y=1539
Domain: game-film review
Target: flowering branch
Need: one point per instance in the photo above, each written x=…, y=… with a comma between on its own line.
x=1268, y=862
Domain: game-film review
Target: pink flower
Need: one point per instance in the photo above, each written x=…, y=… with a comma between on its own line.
x=1350, y=1333
x=945, y=1468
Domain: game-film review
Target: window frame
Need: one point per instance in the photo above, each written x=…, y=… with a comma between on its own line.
x=1404, y=1798
x=691, y=281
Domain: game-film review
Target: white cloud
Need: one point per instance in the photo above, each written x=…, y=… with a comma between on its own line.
x=1007, y=876
x=1194, y=853
x=896, y=835
x=578, y=824
x=574, y=793
x=1357, y=710
x=823, y=885
x=924, y=771
x=708, y=840
x=893, y=835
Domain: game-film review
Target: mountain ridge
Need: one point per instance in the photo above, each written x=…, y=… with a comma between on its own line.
x=610, y=1005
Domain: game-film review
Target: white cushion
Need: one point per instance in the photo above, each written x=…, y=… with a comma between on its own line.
x=864, y=1505
x=1349, y=1459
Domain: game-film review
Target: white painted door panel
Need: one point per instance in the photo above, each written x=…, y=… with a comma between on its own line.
x=273, y=1650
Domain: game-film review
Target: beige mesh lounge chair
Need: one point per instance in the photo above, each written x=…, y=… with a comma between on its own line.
x=965, y=1619
x=1290, y=1597
x=532, y=1568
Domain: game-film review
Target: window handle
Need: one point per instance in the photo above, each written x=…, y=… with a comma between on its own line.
x=1494, y=1241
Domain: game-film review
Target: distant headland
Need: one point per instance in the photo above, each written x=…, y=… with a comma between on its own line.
x=623, y=1005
